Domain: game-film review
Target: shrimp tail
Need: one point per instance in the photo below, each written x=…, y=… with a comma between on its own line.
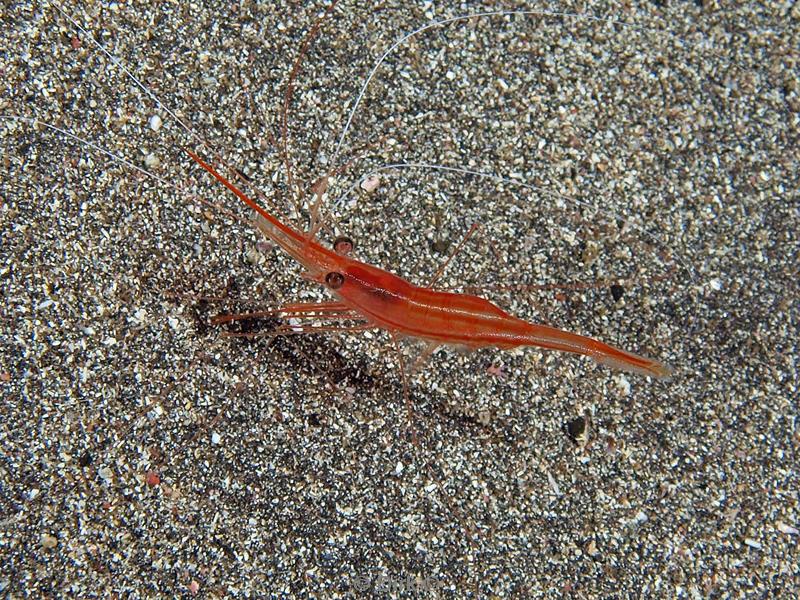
x=634, y=363
x=556, y=339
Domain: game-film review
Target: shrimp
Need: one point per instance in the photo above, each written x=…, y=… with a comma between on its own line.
x=388, y=302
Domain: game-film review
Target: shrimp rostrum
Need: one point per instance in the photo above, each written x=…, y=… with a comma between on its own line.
x=386, y=301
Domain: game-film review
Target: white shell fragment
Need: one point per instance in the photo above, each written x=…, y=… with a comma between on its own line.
x=151, y=161
x=787, y=529
x=371, y=183
x=155, y=122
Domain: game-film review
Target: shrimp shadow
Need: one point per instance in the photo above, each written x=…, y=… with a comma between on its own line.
x=313, y=354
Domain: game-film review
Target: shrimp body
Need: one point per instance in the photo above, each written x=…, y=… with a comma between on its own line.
x=396, y=305
x=389, y=302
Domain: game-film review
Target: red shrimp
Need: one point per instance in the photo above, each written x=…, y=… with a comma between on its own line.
x=386, y=301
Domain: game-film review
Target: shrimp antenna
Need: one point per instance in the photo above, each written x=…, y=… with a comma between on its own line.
x=287, y=97
x=467, y=17
x=705, y=47
x=83, y=142
x=202, y=142
x=504, y=180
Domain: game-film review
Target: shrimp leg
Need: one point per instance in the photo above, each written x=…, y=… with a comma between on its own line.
x=285, y=330
x=336, y=310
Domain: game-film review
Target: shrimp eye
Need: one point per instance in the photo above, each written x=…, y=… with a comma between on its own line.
x=334, y=280
x=343, y=245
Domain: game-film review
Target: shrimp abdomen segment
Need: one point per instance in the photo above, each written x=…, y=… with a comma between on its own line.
x=467, y=320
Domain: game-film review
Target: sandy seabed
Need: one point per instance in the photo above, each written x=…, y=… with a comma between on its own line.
x=146, y=454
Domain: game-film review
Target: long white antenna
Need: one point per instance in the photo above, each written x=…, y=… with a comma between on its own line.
x=466, y=17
